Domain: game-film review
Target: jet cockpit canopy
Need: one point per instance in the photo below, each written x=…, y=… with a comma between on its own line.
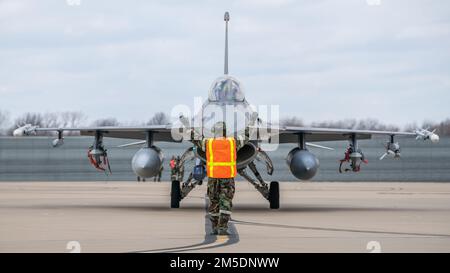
x=226, y=89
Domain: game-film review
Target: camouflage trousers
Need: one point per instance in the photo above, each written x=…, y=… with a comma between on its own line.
x=220, y=194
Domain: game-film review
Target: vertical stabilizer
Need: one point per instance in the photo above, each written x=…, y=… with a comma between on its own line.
x=226, y=18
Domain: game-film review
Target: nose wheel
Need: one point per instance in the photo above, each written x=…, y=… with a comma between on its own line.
x=175, y=194
x=274, y=195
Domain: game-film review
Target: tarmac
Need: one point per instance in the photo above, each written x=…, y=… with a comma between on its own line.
x=313, y=217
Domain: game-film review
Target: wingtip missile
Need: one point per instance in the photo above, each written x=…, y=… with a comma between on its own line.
x=25, y=130
x=425, y=134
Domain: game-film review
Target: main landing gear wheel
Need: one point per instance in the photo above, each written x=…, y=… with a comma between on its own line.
x=274, y=195
x=175, y=194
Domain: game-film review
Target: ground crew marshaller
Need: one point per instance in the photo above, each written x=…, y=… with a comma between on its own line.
x=180, y=169
x=221, y=169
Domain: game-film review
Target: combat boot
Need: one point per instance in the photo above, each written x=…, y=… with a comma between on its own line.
x=214, y=232
x=223, y=231
x=214, y=224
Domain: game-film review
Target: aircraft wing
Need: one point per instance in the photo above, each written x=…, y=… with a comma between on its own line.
x=285, y=134
x=159, y=132
x=289, y=134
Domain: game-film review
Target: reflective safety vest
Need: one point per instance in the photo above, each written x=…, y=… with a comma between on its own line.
x=221, y=157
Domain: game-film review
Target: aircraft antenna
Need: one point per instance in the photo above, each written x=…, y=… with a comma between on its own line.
x=226, y=18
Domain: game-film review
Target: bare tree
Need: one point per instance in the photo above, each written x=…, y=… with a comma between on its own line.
x=72, y=118
x=442, y=128
x=291, y=121
x=4, y=120
x=410, y=127
x=159, y=118
x=76, y=119
x=36, y=119
x=50, y=120
x=428, y=124
x=345, y=124
x=374, y=124
x=364, y=124
x=106, y=122
x=29, y=118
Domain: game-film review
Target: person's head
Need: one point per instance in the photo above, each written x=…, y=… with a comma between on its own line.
x=219, y=129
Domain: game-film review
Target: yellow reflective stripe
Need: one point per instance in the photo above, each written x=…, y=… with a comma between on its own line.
x=211, y=158
x=231, y=140
x=222, y=163
x=211, y=164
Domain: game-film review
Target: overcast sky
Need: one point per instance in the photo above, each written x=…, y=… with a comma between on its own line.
x=317, y=60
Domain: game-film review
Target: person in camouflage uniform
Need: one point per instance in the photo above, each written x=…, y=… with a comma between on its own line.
x=220, y=194
x=180, y=169
x=220, y=190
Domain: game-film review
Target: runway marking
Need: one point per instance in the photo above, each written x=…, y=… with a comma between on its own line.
x=210, y=241
x=340, y=229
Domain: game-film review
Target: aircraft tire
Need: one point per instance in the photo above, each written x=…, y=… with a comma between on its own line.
x=175, y=194
x=274, y=195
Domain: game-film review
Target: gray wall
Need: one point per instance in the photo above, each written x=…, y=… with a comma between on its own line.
x=33, y=158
